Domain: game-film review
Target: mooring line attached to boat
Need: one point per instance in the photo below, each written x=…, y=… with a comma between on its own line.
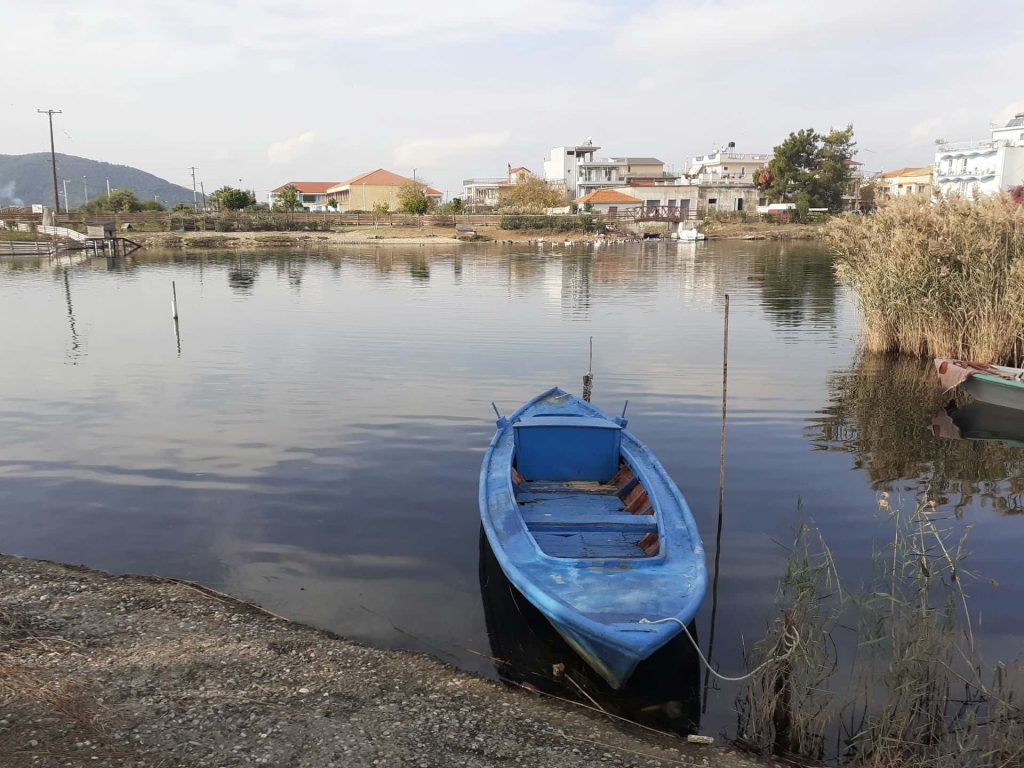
x=791, y=639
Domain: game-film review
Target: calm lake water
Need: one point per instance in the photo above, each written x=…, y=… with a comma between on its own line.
x=312, y=440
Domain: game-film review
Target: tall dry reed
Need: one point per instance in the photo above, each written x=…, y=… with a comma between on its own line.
x=938, y=279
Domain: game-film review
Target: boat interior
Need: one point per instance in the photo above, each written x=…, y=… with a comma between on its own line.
x=576, y=494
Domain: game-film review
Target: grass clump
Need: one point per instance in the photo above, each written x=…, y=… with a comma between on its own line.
x=942, y=279
x=915, y=691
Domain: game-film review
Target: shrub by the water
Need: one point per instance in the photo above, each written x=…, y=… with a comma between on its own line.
x=584, y=222
x=938, y=279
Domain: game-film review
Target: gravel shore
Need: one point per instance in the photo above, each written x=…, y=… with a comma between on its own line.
x=137, y=671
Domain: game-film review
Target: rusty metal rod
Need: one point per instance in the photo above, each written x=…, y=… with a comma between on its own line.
x=721, y=502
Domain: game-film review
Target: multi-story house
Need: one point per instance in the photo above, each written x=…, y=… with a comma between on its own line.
x=977, y=168
x=484, y=193
x=576, y=170
x=726, y=165
x=904, y=181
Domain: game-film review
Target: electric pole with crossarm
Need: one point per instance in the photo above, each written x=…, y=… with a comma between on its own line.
x=53, y=156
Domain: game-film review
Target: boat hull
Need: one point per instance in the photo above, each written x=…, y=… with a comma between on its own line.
x=995, y=391
x=600, y=605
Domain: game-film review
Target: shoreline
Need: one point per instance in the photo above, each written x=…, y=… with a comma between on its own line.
x=143, y=670
x=441, y=237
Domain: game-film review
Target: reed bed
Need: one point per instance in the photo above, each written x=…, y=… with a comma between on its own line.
x=915, y=693
x=938, y=279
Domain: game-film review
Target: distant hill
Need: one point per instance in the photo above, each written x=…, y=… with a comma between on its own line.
x=27, y=179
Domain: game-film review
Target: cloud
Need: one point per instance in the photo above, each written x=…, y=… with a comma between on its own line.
x=434, y=153
x=753, y=29
x=291, y=149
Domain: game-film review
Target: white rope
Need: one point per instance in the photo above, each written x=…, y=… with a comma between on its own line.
x=789, y=641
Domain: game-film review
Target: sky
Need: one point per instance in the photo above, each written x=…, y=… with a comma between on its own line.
x=263, y=92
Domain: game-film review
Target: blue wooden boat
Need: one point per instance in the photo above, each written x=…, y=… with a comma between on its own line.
x=586, y=523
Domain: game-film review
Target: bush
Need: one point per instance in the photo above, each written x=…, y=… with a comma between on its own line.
x=513, y=221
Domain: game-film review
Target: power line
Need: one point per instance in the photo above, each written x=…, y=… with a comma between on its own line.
x=53, y=155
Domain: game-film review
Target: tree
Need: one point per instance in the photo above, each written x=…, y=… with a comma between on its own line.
x=813, y=164
x=412, y=198
x=288, y=199
x=531, y=195
x=231, y=199
x=118, y=201
x=378, y=211
x=151, y=205
x=453, y=206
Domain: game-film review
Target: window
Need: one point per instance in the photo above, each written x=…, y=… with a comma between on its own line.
x=652, y=203
x=568, y=152
x=672, y=203
x=712, y=202
x=739, y=203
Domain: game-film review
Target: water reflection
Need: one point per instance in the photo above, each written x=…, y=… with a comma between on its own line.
x=242, y=275
x=882, y=411
x=526, y=650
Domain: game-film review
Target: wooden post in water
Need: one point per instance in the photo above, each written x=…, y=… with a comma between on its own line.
x=721, y=501
x=174, y=301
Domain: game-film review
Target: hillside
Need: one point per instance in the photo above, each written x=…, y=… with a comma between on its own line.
x=27, y=179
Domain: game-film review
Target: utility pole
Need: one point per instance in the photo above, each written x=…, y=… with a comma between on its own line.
x=195, y=200
x=67, y=203
x=108, y=187
x=53, y=155
x=203, y=190
x=85, y=187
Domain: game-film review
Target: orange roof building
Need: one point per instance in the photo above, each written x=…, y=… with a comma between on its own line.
x=362, y=192
x=905, y=181
x=609, y=197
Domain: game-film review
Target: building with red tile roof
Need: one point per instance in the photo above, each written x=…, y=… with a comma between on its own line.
x=362, y=192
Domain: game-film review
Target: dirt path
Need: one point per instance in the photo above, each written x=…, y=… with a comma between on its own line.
x=132, y=671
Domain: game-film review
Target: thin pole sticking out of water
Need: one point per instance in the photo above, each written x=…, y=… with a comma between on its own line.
x=588, y=380
x=174, y=301
x=721, y=500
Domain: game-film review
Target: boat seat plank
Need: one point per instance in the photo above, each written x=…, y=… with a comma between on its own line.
x=586, y=544
x=569, y=486
x=564, y=505
x=622, y=523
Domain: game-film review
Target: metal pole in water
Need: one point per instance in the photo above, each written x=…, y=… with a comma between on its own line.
x=588, y=380
x=174, y=301
x=721, y=500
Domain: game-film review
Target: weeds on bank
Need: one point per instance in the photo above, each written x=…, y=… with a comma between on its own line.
x=938, y=279
x=915, y=692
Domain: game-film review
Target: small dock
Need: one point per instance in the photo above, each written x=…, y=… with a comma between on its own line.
x=101, y=239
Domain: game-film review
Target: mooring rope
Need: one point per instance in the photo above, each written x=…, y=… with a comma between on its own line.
x=790, y=640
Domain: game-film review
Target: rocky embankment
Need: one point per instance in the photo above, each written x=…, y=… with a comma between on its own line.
x=134, y=671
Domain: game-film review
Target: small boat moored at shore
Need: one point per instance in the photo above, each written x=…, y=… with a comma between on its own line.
x=586, y=523
x=994, y=384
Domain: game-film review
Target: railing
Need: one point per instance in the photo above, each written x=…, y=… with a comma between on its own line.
x=26, y=248
x=71, y=234
x=971, y=144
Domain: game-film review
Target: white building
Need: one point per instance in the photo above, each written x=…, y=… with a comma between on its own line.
x=726, y=165
x=312, y=194
x=578, y=172
x=977, y=168
x=486, y=192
